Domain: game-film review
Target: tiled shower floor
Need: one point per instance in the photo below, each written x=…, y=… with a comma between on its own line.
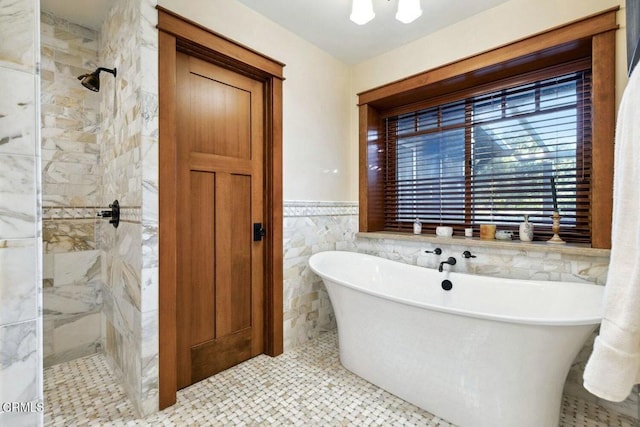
x=305, y=386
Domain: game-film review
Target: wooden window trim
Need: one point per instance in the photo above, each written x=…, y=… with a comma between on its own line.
x=521, y=79
x=590, y=38
x=179, y=34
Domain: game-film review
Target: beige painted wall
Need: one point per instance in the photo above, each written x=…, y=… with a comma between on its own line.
x=517, y=19
x=320, y=113
x=316, y=97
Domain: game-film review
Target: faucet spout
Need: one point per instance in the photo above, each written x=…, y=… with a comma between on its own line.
x=451, y=261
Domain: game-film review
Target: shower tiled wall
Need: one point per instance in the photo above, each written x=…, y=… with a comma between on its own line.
x=72, y=188
x=70, y=115
x=128, y=150
x=20, y=222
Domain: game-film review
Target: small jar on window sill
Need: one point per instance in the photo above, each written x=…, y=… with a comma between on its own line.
x=526, y=230
x=417, y=226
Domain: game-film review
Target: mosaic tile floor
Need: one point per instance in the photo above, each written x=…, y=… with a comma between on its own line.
x=306, y=386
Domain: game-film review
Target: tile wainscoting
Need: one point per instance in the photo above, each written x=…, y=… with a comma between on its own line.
x=311, y=227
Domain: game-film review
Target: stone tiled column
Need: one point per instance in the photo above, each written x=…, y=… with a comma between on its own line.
x=129, y=157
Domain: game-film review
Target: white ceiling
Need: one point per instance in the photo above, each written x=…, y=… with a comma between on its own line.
x=88, y=13
x=324, y=23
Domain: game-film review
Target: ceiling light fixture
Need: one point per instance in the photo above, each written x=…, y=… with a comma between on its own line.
x=408, y=11
x=362, y=11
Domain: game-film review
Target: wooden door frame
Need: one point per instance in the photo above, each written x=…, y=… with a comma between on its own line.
x=179, y=34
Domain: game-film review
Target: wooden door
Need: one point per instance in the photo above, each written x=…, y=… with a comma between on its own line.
x=220, y=268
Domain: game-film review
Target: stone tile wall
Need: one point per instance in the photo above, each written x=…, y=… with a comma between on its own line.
x=311, y=227
x=72, y=188
x=71, y=172
x=515, y=260
x=20, y=221
x=129, y=156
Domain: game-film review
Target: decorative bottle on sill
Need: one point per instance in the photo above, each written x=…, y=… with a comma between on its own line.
x=417, y=226
x=526, y=230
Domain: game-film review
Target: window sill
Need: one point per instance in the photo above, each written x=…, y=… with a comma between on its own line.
x=569, y=248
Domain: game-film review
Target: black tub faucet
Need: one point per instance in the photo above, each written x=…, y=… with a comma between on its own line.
x=467, y=254
x=436, y=251
x=451, y=261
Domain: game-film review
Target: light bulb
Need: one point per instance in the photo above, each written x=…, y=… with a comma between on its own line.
x=408, y=11
x=362, y=11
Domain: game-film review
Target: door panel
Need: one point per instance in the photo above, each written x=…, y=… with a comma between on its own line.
x=234, y=237
x=229, y=111
x=202, y=267
x=220, y=184
x=241, y=226
x=216, y=356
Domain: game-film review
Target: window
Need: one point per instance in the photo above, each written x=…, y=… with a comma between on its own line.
x=480, y=139
x=492, y=158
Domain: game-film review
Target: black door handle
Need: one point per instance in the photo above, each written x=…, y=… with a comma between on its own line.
x=258, y=232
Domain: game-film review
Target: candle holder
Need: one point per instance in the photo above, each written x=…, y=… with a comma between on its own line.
x=555, y=227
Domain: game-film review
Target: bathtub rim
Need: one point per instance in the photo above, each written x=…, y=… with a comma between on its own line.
x=592, y=320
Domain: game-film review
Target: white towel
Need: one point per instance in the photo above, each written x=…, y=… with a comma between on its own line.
x=614, y=365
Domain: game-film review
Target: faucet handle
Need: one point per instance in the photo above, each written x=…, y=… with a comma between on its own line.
x=436, y=251
x=467, y=254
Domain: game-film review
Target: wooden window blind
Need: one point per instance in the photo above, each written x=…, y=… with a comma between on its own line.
x=491, y=157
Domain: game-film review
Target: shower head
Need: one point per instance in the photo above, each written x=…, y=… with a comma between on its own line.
x=92, y=80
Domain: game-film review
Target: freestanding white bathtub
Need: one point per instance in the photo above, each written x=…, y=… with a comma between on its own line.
x=490, y=352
